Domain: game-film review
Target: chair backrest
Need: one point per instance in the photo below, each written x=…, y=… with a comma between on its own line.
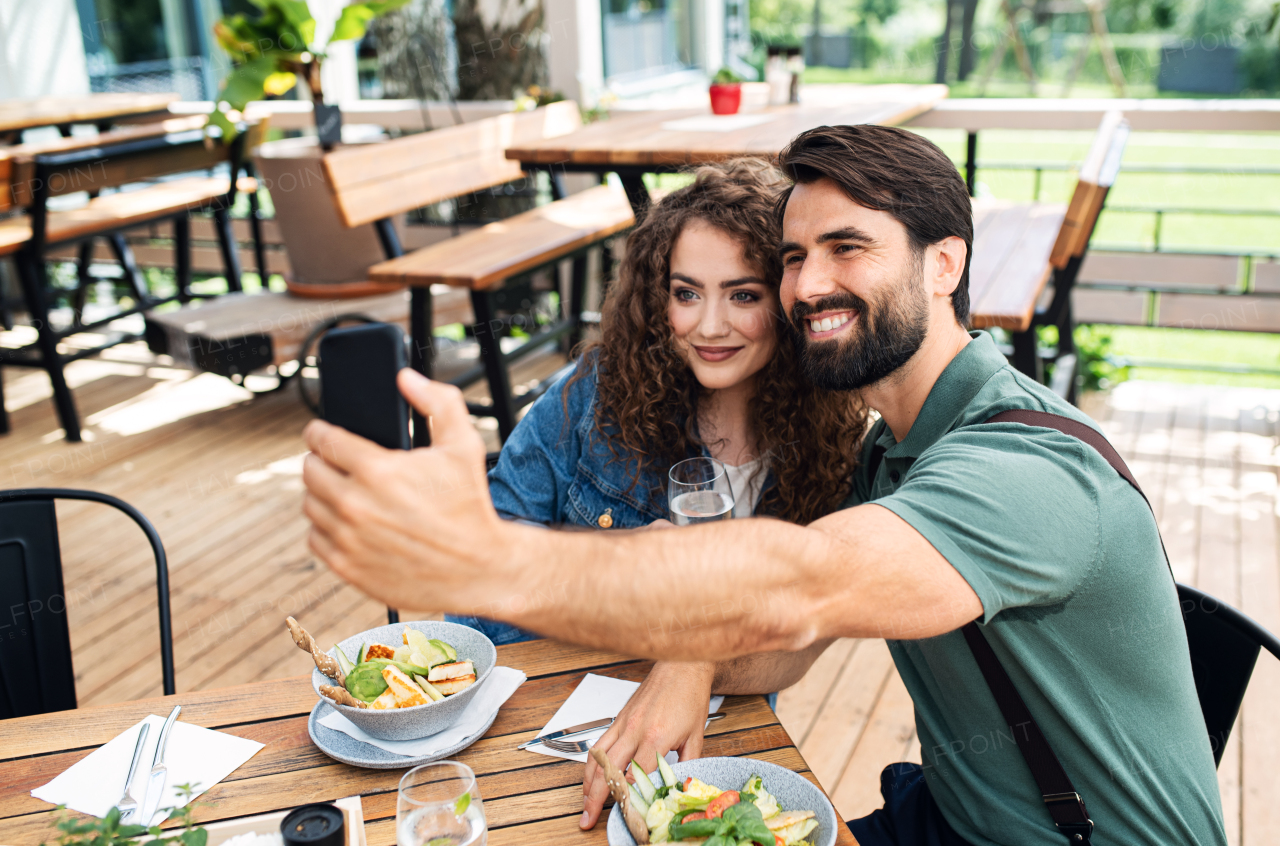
x=36, y=671
x=1097, y=175
x=36, y=675
x=371, y=182
x=1224, y=647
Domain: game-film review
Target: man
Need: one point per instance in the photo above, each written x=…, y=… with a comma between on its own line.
x=1024, y=529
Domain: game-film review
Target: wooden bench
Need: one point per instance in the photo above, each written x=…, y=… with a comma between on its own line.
x=1019, y=247
x=111, y=163
x=370, y=184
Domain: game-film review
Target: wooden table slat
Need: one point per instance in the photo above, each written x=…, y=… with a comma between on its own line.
x=528, y=797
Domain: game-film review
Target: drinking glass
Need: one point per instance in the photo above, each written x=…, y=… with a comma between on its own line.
x=439, y=805
x=699, y=492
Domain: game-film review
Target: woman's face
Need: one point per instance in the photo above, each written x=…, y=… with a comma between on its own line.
x=722, y=313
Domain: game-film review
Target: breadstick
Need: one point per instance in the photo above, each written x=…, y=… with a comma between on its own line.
x=341, y=696
x=325, y=662
x=621, y=790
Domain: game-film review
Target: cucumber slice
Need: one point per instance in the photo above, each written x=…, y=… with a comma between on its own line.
x=639, y=801
x=449, y=651
x=344, y=663
x=647, y=790
x=428, y=688
x=364, y=648
x=434, y=656
x=668, y=775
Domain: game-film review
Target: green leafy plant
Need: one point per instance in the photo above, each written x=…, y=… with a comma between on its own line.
x=109, y=832
x=725, y=76
x=271, y=51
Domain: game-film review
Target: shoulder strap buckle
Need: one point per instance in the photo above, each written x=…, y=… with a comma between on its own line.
x=1067, y=809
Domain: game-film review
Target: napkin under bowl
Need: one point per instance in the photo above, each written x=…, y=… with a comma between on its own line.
x=420, y=720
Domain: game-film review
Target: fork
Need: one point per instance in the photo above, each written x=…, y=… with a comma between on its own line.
x=572, y=747
x=128, y=805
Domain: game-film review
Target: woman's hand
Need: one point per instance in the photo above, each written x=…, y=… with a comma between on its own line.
x=668, y=712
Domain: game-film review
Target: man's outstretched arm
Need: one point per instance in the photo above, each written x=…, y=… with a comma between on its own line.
x=418, y=531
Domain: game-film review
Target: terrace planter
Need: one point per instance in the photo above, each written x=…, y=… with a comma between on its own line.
x=726, y=99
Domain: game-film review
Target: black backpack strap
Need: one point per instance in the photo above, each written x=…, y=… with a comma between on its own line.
x=1065, y=805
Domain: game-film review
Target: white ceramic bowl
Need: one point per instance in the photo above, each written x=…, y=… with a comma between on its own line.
x=420, y=720
x=793, y=791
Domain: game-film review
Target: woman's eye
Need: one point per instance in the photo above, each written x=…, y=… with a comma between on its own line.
x=685, y=295
x=745, y=297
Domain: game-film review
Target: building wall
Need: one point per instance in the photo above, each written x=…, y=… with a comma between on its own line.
x=575, y=61
x=41, y=49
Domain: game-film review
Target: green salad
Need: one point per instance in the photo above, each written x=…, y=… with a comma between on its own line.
x=692, y=811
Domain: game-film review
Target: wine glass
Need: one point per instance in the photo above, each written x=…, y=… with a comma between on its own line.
x=699, y=492
x=439, y=805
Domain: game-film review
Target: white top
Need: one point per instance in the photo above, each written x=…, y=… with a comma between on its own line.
x=747, y=481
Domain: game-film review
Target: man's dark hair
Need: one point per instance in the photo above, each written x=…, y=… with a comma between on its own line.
x=892, y=170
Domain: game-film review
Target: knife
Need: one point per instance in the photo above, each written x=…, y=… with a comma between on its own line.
x=159, y=773
x=578, y=729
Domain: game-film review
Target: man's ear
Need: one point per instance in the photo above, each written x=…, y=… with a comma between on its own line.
x=948, y=265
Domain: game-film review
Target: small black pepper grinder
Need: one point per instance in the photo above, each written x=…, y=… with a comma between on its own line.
x=314, y=825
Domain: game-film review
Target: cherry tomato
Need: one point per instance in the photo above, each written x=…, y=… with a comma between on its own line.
x=696, y=815
x=718, y=804
x=687, y=781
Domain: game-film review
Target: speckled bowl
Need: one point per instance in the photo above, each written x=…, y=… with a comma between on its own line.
x=793, y=791
x=420, y=720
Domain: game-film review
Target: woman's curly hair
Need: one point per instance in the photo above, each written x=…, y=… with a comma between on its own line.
x=647, y=394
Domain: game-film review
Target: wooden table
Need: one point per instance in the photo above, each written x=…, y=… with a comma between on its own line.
x=528, y=798
x=632, y=144
x=102, y=109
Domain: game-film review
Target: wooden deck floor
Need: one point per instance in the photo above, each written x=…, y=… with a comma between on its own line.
x=218, y=473
x=1207, y=458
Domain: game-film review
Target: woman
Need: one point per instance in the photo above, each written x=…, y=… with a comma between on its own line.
x=692, y=361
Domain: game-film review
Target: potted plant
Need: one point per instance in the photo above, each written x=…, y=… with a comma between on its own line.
x=726, y=92
x=269, y=53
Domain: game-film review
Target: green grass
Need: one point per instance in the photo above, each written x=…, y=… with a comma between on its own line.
x=1197, y=346
x=1238, y=188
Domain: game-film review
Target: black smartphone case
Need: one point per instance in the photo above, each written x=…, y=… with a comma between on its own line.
x=358, y=367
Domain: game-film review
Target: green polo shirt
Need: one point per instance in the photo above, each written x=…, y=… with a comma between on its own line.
x=1078, y=605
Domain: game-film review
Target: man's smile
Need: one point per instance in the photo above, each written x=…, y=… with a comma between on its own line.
x=828, y=324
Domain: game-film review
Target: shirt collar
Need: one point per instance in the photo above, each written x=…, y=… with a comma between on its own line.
x=956, y=387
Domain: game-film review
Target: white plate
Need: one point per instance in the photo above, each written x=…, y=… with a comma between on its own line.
x=357, y=753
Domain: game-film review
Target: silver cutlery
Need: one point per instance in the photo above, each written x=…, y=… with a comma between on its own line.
x=565, y=732
x=128, y=805
x=159, y=772
x=558, y=741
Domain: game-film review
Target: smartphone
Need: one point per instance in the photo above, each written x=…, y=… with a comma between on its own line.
x=358, y=367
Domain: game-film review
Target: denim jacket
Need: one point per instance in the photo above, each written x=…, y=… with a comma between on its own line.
x=556, y=468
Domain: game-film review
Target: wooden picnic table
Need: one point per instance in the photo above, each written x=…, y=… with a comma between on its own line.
x=632, y=144
x=528, y=797
x=103, y=109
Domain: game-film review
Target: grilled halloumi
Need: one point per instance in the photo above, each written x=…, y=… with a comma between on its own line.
x=384, y=702
x=787, y=818
x=451, y=686
x=456, y=670
x=378, y=650
x=405, y=689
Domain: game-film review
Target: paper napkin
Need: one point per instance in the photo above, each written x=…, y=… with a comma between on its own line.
x=496, y=690
x=595, y=698
x=197, y=756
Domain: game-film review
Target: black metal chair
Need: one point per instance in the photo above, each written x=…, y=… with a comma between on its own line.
x=1224, y=649
x=36, y=674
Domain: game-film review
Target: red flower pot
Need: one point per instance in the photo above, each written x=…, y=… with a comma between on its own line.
x=725, y=99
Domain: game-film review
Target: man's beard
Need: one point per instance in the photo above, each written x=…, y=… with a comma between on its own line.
x=884, y=337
